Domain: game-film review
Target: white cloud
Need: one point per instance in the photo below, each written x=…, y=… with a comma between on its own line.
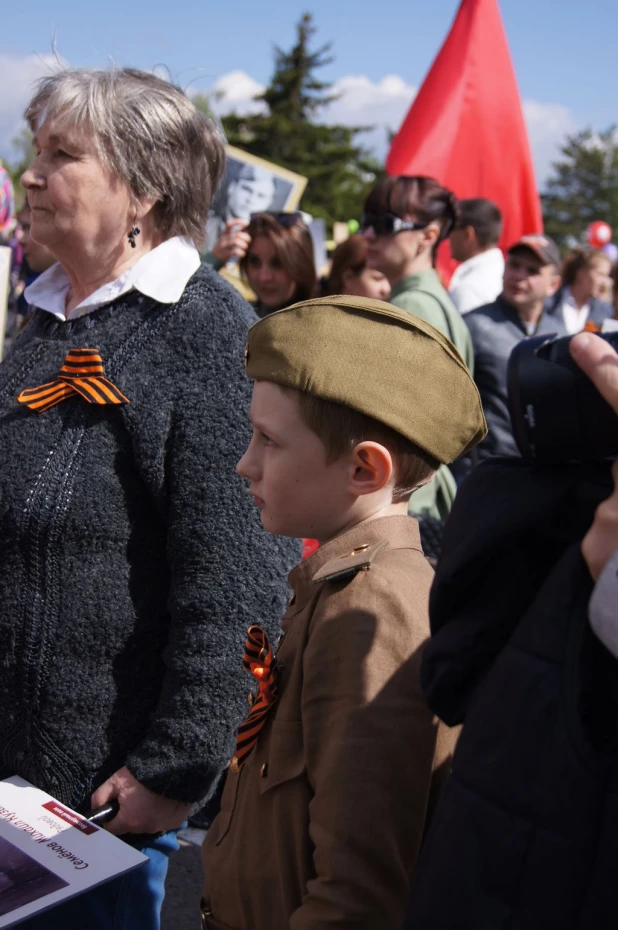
x=361, y=102
x=17, y=80
x=384, y=104
x=548, y=124
x=235, y=92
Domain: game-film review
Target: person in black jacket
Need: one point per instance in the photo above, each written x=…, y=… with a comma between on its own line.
x=600, y=546
x=524, y=835
x=132, y=559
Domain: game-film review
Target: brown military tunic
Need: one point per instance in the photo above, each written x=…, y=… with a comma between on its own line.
x=321, y=826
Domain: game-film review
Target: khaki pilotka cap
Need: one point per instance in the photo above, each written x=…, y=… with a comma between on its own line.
x=378, y=359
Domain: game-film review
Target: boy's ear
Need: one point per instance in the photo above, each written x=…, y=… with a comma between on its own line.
x=372, y=467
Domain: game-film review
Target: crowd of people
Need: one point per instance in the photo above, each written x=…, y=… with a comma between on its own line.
x=142, y=584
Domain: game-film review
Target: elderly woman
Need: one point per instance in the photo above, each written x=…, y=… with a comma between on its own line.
x=132, y=559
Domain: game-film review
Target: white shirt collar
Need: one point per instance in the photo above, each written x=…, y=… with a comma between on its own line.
x=161, y=274
x=574, y=317
x=569, y=300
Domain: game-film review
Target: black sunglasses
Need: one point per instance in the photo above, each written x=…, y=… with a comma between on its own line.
x=387, y=224
x=287, y=220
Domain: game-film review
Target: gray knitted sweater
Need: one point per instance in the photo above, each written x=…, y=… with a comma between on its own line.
x=132, y=560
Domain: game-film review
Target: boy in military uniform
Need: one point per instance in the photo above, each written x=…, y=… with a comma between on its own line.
x=355, y=404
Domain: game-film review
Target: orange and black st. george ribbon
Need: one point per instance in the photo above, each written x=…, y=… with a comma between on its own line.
x=260, y=660
x=83, y=374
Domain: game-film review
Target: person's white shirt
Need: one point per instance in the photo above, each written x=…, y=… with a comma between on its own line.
x=603, y=606
x=575, y=318
x=478, y=281
x=162, y=274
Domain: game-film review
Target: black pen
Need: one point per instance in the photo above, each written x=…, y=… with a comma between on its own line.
x=101, y=815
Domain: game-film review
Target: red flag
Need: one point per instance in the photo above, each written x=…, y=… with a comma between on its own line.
x=466, y=127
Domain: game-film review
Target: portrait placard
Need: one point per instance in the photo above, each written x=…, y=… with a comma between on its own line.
x=49, y=853
x=251, y=185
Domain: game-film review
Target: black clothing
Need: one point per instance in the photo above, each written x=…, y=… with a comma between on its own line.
x=261, y=309
x=132, y=558
x=525, y=834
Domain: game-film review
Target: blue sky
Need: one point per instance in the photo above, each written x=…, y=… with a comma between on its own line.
x=564, y=52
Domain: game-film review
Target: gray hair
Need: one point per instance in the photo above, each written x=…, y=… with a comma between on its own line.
x=147, y=132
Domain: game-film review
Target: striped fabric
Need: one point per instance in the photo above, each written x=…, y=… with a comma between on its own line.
x=260, y=660
x=82, y=373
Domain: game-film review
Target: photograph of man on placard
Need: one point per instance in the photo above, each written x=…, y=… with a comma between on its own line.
x=251, y=185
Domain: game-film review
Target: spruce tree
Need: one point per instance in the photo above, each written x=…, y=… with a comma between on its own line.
x=339, y=169
x=583, y=187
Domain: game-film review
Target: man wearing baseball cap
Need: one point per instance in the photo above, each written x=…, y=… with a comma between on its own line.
x=531, y=275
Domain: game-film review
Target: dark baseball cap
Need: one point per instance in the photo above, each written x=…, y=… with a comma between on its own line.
x=542, y=246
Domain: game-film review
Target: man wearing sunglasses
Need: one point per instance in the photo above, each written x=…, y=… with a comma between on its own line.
x=405, y=220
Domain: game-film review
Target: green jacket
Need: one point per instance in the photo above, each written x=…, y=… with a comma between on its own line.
x=423, y=295
x=436, y=498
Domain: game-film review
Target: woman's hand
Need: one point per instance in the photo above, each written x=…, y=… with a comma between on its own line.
x=233, y=241
x=599, y=361
x=141, y=810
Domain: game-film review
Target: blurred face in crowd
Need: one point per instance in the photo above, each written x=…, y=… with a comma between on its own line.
x=38, y=257
x=297, y=491
x=594, y=282
x=402, y=253
x=368, y=283
x=464, y=244
x=76, y=205
x=527, y=281
x=273, y=285
x=250, y=195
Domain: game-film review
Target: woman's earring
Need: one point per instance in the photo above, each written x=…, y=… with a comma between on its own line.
x=133, y=234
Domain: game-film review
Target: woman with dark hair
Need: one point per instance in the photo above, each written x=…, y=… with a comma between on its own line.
x=585, y=277
x=405, y=220
x=349, y=273
x=278, y=264
x=275, y=251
